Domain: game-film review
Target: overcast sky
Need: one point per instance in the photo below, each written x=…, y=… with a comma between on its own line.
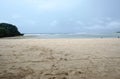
x=62, y=16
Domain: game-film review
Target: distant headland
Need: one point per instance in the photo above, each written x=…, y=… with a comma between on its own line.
x=9, y=30
x=118, y=32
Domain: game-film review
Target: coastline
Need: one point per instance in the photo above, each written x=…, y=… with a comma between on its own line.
x=93, y=58
x=64, y=36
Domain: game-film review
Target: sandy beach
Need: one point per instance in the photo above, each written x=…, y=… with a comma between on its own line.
x=60, y=58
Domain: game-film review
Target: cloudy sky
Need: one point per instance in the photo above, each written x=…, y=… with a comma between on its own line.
x=62, y=16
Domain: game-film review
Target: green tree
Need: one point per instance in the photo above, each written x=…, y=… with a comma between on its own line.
x=8, y=30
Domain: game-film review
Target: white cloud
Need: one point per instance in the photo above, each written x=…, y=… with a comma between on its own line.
x=102, y=20
x=54, y=23
x=114, y=24
x=79, y=22
x=16, y=16
x=105, y=27
x=2, y=21
x=109, y=19
x=48, y=5
x=100, y=25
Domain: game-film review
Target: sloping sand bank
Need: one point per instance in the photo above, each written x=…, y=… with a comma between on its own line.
x=60, y=58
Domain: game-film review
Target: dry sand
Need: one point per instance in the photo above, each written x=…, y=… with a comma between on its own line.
x=60, y=58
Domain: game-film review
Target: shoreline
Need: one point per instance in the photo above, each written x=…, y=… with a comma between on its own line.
x=33, y=37
x=67, y=36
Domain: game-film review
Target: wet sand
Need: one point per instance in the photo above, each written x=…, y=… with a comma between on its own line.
x=60, y=58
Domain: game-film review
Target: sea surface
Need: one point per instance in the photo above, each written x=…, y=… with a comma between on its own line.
x=66, y=35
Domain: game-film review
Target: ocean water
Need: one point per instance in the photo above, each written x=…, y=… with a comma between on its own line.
x=52, y=36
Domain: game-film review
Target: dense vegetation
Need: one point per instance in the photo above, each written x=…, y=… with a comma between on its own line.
x=8, y=30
